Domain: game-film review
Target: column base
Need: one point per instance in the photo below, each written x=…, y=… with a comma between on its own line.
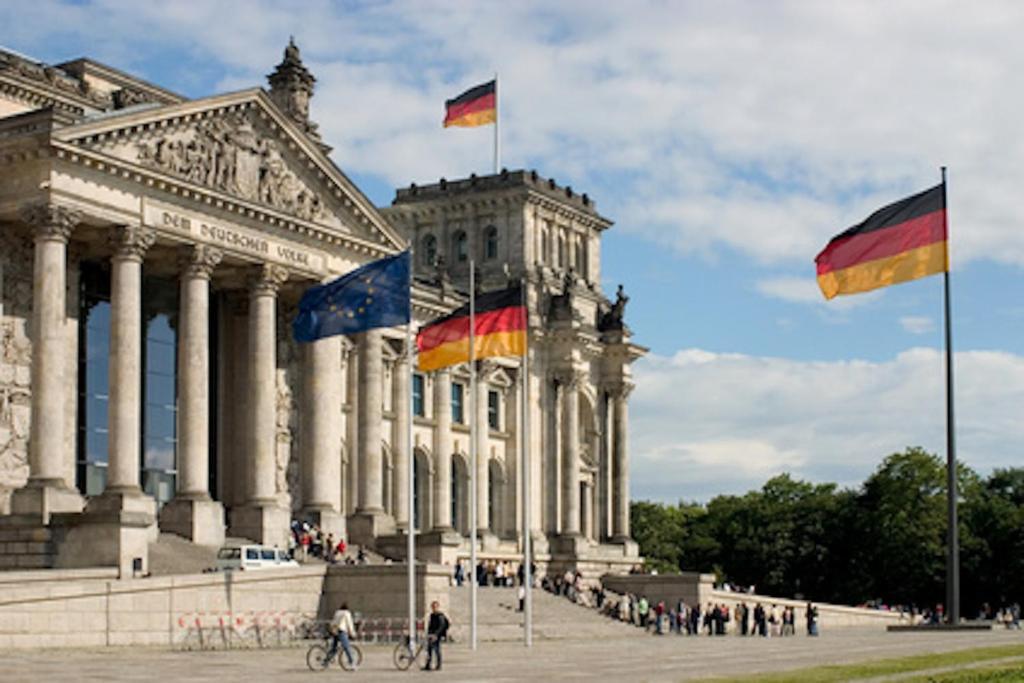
x=199, y=519
x=43, y=497
x=366, y=526
x=114, y=530
x=330, y=521
x=437, y=545
x=487, y=539
x=630, y=548
x=574, y=545
x=265, y=523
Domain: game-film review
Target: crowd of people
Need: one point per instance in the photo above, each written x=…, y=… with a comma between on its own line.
x=308, y=542
x=714, y=619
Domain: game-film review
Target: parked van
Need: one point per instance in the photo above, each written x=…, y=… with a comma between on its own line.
x=249, y=557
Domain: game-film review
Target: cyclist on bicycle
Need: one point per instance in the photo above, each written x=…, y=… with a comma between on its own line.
x=342, y=628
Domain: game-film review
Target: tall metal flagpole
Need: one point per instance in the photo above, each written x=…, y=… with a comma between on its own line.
x=953, y=550
x=472, y=456
x=411, y=529
x=524, y=454
x=497, y=124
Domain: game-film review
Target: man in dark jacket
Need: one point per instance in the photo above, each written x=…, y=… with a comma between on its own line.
x=437, y=628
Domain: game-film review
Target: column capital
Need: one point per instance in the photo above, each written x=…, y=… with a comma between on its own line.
x=131, y=242
x=570, y=378
x=52, y=222
x=266, y=279
x=619, y=390
x=199, y=261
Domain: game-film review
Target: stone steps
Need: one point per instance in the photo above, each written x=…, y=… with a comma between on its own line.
x=554, y=617
x=25, y=544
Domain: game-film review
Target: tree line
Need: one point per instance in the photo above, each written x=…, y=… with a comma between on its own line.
x=883, y=542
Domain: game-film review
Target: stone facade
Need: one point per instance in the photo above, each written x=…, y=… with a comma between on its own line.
x=153, y=253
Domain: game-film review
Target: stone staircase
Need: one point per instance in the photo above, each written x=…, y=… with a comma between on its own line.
x=554, y=617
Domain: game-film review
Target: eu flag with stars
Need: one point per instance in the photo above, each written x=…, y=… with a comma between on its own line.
x=375, y=295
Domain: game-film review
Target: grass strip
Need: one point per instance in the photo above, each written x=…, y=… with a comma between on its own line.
x=882, y=667
x=993, y=674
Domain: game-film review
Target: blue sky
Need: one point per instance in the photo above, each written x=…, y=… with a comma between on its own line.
x=728, y=141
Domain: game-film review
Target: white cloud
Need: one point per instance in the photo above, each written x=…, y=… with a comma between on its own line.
x=705, y=423
x=805, y=290
x=757, y=128
x=917, y=324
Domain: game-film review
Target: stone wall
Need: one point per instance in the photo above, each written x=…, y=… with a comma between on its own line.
x=694, y=588
x=75, y=608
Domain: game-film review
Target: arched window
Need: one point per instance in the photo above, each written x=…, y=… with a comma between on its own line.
x=490, y=243
x=428, y=249
x=459, y=246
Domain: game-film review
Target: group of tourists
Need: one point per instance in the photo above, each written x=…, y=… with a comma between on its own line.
x=498, y=573
x=713, y=619
x=308, y=541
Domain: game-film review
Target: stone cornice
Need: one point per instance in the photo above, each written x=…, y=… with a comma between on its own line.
x=38, y=97
x=219, y=200
x=317, y=163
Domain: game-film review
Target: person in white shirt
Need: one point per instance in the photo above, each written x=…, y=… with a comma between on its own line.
x=342, y=627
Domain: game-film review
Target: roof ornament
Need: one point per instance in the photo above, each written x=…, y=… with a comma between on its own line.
x=291, y=88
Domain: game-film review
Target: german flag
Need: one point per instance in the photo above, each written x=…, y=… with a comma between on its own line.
x=898, y=243
x=500, y=330
x=477, y=106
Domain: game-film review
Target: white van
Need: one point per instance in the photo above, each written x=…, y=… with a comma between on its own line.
x=249, y=557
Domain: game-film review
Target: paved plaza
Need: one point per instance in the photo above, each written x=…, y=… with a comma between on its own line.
x=668, y=658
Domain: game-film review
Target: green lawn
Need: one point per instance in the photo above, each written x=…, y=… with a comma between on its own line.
x=848, y=672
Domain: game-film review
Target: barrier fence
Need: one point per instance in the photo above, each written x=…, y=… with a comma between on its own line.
x=248, y=630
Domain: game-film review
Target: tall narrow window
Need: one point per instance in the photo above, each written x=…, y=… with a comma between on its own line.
x=561, y=252
x=458, y=414
x=93, y=378
x=428, y=250
x=494, y=410
x=417, y=395
x=459, y=247
x=490, y=243
x=160, y=373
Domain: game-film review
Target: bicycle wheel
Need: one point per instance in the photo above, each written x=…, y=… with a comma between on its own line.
x=357, y=658
x=316, y=658
x=404, y=655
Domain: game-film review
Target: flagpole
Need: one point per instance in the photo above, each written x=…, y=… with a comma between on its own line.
x=524, y=450
x=472, y=457
x=412, y=470
x=953, y=557
x=497, y=125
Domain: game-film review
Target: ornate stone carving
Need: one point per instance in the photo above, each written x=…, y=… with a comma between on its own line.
x=619, y=390
x=129, y=97
x=226, y=153
x=51, y=221
x=291, y=88
x=199, y=261
x=266, y=279
x=570, y=379
x=613, y=318
x=131, y=242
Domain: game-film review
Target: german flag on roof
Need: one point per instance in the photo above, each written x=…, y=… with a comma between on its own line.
x=477, y=106
x=500, y=330
x=900, y=242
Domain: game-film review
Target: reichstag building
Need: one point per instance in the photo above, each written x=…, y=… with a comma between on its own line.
x=154, y=249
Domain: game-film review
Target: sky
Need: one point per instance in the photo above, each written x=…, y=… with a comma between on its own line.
x=728, y=141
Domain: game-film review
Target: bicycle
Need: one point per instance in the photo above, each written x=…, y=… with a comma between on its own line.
x=319, y=656
x=406, y=655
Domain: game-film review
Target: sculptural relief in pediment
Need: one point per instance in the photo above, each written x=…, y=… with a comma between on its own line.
x=227, y=153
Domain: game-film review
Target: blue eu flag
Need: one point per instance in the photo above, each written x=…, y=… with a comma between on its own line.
x=376, y=295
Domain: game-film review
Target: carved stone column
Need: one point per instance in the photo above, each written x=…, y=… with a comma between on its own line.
x=193, y=513
x=620, y=462
x=47, y=491
x=571, y=454
x=443, y=450
x=261, y=518
x=125, y=404
x=321, y=442
x=370, y=520
x=402, y=448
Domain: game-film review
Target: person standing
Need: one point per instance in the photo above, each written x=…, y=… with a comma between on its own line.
x=437, y=628
x=811, y=614
x=342, y=628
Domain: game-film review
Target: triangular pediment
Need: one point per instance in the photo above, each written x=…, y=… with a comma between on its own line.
x=241, y=146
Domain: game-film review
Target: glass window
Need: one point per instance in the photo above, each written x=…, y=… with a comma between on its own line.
x=267, y=554
x=459, y=246
x=229, y=554
x=429, y=250
x=493, y=410
x=490, y=243
x=159, y=461
x=417, y=395
x=457, y=406
x=252, y=554
x=93, y=378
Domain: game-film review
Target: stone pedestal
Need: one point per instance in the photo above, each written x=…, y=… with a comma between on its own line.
x=41, y=498
x=114, y=531
x=574, y=545
x=431, y=546
x=266, y=523
x=329, y=520
x=365, y=527
x=199, y=519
